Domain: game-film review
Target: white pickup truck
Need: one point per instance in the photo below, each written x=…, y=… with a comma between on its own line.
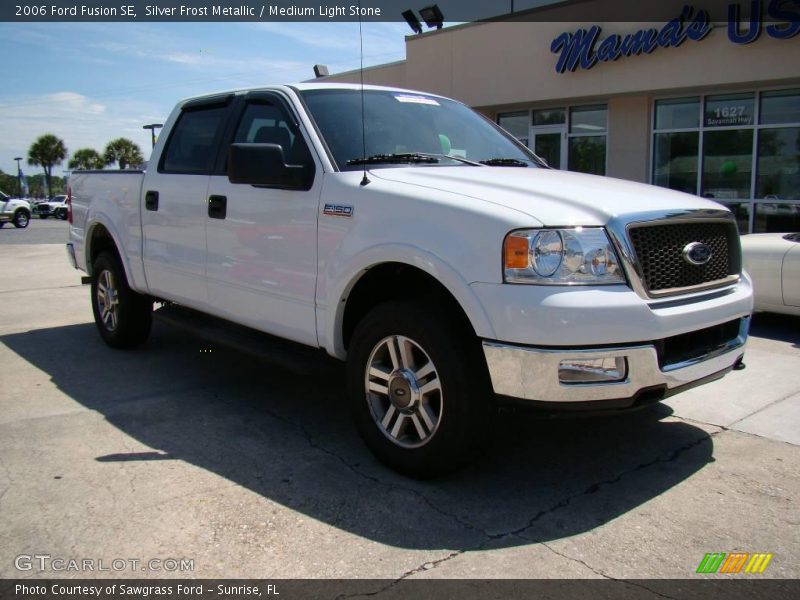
x=436, y=255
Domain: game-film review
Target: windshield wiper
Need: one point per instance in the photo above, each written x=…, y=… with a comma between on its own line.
x=466, y=161
x=408, y=157
x=504, y=162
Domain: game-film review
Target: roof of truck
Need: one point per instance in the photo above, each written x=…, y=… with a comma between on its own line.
x=312, y=85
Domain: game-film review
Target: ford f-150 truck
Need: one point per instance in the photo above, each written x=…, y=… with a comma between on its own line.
x=14, y=210
x=414, y=239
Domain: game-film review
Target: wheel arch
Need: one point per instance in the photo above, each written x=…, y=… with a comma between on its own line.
x=386, y=280
x=99, y=238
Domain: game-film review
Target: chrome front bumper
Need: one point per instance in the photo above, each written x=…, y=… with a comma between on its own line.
x=529, y=373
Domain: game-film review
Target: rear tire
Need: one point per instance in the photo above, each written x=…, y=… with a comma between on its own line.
x=123, y=317
x=419, y=389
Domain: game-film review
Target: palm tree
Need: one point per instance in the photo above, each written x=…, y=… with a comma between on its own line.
x=124, y=152
x=45, y=152
x=86, y=159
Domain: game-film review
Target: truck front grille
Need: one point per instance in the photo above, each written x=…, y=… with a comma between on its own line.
x=660, y=249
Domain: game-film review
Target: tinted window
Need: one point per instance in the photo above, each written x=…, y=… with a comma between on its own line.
x=552, y=116
x=588, y=119
x=264, y=123
x=678, y=113
x=780, y=107
x=190, y=148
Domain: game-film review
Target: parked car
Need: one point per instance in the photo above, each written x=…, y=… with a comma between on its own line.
x=773, y=262
x=439, y=257
x=14, y=210
x=55, y=207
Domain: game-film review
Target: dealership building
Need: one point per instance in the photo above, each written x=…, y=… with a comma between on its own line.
x=705, y=104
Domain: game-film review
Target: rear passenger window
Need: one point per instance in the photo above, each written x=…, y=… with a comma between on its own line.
x=190, y=148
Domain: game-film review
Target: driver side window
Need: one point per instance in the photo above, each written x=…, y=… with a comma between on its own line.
x=264, y=123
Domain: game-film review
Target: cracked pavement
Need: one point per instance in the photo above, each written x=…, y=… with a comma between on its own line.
x=184, y=449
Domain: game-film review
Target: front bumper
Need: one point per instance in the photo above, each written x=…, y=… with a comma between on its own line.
x=536, y=374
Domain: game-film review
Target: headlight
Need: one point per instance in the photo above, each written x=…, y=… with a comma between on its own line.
x=581, y=255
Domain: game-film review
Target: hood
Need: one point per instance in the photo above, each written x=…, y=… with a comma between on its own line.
x=552, y=197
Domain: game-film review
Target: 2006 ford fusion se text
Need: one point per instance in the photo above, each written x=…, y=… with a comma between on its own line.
x=407, y=235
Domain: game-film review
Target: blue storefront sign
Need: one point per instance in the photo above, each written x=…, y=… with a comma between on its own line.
x=584, y=49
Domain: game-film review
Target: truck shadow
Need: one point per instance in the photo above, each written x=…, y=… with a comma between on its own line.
x=289, y=438
x=773, y=326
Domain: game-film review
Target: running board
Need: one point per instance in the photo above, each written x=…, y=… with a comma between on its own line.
x=294, y=357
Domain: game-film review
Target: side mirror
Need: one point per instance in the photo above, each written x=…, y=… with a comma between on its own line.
x=264, y=165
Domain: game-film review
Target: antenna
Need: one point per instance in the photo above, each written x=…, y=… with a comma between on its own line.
x=365, y=179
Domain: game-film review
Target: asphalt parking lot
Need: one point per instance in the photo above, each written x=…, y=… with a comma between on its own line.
x=186, y=450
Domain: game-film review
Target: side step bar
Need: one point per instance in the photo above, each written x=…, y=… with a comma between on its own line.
x=294, y=357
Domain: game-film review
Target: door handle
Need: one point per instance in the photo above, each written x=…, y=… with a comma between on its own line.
x=151, y=200
x=217, y=207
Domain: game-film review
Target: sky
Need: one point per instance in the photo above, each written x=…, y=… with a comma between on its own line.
x=89, y=83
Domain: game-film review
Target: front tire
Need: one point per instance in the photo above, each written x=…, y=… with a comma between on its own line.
x=123, y=317
x=419, y=389
x=21, y=219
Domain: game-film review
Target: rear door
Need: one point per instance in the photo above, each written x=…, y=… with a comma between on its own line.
x=174, y=197
x=262, y=241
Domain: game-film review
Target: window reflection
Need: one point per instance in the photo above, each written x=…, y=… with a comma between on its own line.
x=727, y=164
x=779, y=163
x=774, y=217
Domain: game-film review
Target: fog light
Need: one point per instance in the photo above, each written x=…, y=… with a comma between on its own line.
x=593, y=370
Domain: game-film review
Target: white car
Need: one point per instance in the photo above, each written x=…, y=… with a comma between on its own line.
x=773, y=262
x=55, y=207
x=435, y=254
x=14, y=210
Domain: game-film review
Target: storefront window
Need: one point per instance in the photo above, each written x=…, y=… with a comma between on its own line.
x=727, y=164
x=588, y=119
x=676, y=160
x=586, y=147
x=678, y=113
x=516, y=124
x=742, y=150
x=553, y=116
x=780, y=107
x=779, y=164
x=741, y=210
x=587, y=154
x=773, y=217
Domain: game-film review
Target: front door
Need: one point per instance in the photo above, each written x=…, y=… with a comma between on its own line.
x=549, y=143
x=261, y=263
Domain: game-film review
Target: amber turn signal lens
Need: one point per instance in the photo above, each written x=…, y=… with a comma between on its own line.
x=515, y=252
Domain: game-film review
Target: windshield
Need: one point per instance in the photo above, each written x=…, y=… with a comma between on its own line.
x=403, y=123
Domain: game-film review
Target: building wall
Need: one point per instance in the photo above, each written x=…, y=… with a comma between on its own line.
x=495, y=64
x=629, y=120
x=393, y=75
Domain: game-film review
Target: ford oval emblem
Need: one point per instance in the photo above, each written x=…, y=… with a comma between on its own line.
x=697, y=253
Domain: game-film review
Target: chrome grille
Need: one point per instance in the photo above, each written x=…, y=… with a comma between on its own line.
x=659, y=252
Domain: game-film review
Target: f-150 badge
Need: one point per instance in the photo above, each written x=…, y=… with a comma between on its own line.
x=338, y=210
